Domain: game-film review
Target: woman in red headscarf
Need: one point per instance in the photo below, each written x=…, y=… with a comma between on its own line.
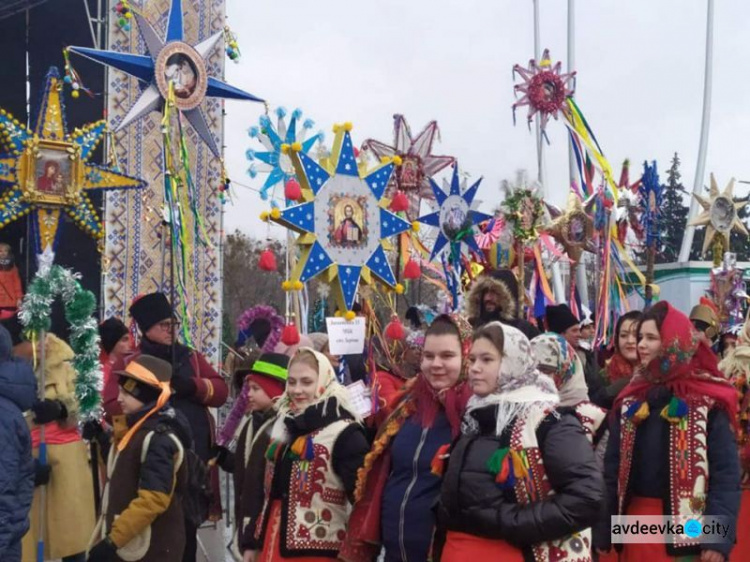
x=672, y=445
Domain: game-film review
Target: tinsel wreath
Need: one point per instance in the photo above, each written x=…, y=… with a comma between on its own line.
x=80, y=306
x=523, y=209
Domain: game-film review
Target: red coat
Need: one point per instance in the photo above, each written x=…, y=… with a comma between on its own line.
x=11, y=291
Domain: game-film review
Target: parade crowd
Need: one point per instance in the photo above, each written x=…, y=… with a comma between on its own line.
x=490, y=437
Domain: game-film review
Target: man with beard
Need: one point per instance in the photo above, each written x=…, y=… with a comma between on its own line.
x=195, y=384
x=494, y=298
x=11, y=291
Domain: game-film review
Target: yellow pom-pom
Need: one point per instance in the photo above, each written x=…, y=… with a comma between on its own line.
x=285, y=148
x=75, y=94
x=233, y=44
x=275, y=213
x=400, y=289
x=350, y=315
x=297, y=147
x=337, y=314
x=264, y=216
x=129, y=15
x=348, y=126
x=298, y=286
x=336, y=128
x=397, y=160
x=384, y=160
x=415, y=226
x=286, y=285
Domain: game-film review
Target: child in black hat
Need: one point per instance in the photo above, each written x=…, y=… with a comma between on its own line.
x=142, y=511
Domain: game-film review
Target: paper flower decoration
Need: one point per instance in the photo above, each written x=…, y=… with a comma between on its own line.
x=170, y=60
x=523, y=209
x=572, y=228
x=418, y=164
x=544, y=89
x=455, y=219
x=272, y=138
x=719, y=214
x=47, y=170
x=342, y=222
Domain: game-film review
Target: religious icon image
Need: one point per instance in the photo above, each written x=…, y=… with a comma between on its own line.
x=527, y=213
x=348, y=220
x=409, y=173
x=722, y=214
x=52, y=172
x=455, y=217
x=577, y=230
x=181, y=71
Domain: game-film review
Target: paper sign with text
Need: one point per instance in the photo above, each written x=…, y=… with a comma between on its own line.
x=360, y=398
x=346, y=337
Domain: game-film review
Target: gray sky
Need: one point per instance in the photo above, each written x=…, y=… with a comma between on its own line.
x=640, y=81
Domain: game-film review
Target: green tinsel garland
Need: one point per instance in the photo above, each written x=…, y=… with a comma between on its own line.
x=513, y=213
x=80, y=306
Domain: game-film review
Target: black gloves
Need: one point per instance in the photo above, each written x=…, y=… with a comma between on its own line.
x=41, y=473
x=46, y=411
x=103, y=551
x=224, y=458
x=184, y=387
x=91, y=430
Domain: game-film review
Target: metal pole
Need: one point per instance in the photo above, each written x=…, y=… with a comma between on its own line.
x=581, y=275
x=42, y=450
x=700, y=167
x=556, y=277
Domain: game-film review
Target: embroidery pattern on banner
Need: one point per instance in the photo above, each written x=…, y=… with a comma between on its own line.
x=137, y=245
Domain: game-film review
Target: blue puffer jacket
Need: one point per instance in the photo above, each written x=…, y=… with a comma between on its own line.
x=17, y=394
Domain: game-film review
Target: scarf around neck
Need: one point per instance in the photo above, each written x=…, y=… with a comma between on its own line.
x=554, y=352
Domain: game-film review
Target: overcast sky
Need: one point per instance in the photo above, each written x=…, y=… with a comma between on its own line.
x=640, y=81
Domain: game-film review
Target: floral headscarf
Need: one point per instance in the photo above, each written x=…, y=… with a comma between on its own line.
x=521, y=387
x=555, y=353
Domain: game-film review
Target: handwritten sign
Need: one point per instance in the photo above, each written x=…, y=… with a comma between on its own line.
x=346, y=337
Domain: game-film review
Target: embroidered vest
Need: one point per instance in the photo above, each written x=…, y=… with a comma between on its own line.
x=591, y=417
x=688, y=464
x=315, y=511
x=536, y=487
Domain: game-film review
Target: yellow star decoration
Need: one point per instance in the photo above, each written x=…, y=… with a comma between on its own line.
x=47, y=170
x=573, y=228
x=719, y=216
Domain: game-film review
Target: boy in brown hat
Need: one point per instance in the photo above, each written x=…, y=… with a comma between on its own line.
x=142, y=511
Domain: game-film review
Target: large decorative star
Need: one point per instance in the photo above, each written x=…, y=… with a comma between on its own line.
x=170, y=60
x=342, y=223
x=544, y=88
x=455, y=219
x=272, y=138
x=48, y=170
x=719, y=214
x=572, y=228
x=418, y=164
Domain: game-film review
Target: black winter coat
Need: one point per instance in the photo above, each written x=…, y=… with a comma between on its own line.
x=650, y=467
x=471, y=501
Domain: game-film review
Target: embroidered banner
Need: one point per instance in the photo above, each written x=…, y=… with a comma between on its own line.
x=137, y=243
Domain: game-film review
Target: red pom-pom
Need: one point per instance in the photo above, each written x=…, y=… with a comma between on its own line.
x=290, y=335
x=395, y=329
x=292, y=190
x=412, y=270
x=356, y=152
x=267, y=261
x=400, y=202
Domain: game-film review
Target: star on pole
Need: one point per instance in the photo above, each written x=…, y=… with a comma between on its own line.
x=170, y=59
x=719, y=214
x=572, y=228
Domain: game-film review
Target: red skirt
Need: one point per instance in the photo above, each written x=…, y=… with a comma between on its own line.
x=271, y=552
x=741, y=550
x=460, y=547
x=653, y=552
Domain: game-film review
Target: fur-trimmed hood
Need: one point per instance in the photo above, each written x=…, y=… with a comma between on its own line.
x=508, y=301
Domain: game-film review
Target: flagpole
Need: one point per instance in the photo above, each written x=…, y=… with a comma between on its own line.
x=700, y=167
x=541, y=176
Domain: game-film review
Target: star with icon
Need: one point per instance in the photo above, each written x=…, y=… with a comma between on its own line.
x=573, y=227
x=170, y=60
x=719, y=214
x=455, y=218
x=343, y=225
x=47, y=170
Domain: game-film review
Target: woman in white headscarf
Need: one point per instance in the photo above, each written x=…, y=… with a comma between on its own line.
x=317, y=445
x=557, y=358
x=522, y=481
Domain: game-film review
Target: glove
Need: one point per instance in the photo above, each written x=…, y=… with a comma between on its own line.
x=41, y=473
x=46, y=411
x=184, y=387
x=224, y=457
x=103, y=551
x=91, y=430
